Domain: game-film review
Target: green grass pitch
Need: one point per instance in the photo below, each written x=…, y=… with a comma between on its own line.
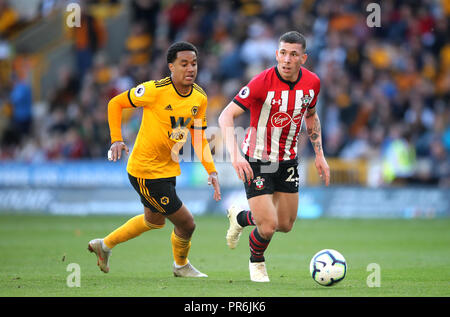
x=413, y=255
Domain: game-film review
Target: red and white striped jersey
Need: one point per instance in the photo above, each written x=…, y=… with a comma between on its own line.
x=276, y=110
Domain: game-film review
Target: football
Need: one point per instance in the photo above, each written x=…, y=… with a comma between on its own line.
x=328, y=267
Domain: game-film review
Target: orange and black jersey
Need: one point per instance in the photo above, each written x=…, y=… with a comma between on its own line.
x=167, y=118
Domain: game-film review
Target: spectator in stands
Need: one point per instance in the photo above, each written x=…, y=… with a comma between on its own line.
x=8, y=18
x=146, y=12
x=21, y=100
x=138, y=45
x=257, y=50
x=399, y=157
x=230, y=63
x=67, y=90
x=177, y=14
x=440, y=161
x=88, y=39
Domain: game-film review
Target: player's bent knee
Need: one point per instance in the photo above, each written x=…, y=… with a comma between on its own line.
x=267, y=231
x=187, y=227
x=191, y=227
x=285, y=227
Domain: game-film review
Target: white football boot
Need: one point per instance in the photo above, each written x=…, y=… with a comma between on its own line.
x=98, y=248
x=258, y=272
x=187, y=270
x=235, y=229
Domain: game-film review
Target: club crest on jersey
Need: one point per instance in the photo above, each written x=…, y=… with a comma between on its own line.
x=306, y=100
x=194, y=110
x=259, y=182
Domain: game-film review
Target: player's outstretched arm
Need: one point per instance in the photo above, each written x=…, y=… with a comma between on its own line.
x=226, y=123
x=115, y=107
x=315, y=136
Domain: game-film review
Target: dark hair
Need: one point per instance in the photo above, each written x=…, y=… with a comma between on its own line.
x=293, y=37
x=178, y=47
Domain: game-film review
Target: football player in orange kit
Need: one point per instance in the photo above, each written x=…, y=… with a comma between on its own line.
x=171, y=107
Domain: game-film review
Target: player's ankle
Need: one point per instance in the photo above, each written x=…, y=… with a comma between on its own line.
x=105, y=247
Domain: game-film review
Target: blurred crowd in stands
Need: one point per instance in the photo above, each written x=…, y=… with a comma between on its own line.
x=385, y=91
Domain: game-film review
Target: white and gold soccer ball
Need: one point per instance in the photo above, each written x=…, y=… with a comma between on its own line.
x=328, y=267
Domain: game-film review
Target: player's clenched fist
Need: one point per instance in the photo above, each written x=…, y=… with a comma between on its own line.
x=115, y=151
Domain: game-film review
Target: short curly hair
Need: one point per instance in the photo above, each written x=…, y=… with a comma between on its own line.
x=178, y=47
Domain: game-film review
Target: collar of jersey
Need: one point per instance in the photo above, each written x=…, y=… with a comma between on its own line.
x=290, y=83
x=184, y=96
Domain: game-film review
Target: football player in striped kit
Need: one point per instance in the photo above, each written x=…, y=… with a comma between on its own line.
x=278, y=99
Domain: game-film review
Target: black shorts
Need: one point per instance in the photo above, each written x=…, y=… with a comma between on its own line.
x=269, y=178
x=158, y=195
